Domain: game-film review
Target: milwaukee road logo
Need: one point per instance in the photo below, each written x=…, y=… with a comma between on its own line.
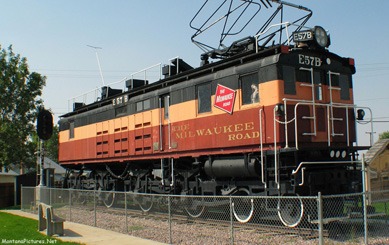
x=224, y=98
x=239, y=131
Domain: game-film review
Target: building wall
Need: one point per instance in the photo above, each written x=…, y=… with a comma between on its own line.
x=7, y=191
x=379, y=172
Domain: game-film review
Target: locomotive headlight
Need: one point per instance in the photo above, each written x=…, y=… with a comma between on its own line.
x=321, y=36
x=332, y=153
x=344, y=154
x=337, y=154
x=360, y=114
x=315, y=37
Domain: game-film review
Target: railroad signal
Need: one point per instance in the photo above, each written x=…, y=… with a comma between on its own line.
x=44, y=126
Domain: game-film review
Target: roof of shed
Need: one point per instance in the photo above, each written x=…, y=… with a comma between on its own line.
x=51, y=164
x=376, y=149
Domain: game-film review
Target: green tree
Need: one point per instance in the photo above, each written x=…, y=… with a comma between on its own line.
x=52, y=145
x=384, y=135
x=20, y=93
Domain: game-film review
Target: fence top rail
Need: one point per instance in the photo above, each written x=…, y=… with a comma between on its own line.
x=373, y=193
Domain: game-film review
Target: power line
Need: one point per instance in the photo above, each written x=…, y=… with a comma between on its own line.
x=385, y=98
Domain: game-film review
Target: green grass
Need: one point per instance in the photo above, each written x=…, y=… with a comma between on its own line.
x=23, y=230
x=135, y=228
x=381, y=208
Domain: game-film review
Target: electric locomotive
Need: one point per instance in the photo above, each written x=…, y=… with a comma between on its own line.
x=266, y=119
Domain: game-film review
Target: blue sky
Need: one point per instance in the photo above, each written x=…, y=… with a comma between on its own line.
x=136, y=34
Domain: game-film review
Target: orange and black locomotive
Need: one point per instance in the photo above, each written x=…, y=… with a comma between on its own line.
x=267, y=118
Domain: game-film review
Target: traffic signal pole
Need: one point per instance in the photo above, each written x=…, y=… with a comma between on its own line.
x=44, y=131
x=41, y=162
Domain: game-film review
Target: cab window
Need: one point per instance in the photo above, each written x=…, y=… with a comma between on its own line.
x=289, y=76
x=204, y=97
x=250, y=89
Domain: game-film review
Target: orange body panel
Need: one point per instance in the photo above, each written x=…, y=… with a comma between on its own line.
x=189, y=133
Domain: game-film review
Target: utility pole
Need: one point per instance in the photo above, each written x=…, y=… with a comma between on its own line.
x=44, y=128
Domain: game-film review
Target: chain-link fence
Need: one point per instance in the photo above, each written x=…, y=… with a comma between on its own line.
x=338, y=219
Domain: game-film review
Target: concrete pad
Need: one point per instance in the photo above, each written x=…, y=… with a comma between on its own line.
x=84, y=234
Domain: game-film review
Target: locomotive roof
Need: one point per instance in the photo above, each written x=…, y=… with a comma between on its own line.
x=184, y=76
x=203, y=71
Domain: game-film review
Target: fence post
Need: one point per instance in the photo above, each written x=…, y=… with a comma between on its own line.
x=94, y=205
x=21, y=198
x=125, y=207
x=70, y=204
x=231, y=221
x=35, y=197
x=364, y=198
x=170, y=219
x=320, y=217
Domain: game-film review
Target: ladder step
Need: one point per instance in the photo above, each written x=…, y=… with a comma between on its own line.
x=333, y=88
x=335, y=134
x=310, y=118
x=306, y=85
x=337, y=119
x=309, y=134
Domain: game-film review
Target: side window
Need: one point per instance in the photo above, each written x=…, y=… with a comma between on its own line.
x=143, y=105
x=71, y=130
x=334, y=80
x=139, y=106
x=121, y=111
x=344, y=84
x=204, y=97
x=166, y=106
x=318, y=81
x=289, y=76
x=146, y=104
x=250, y=89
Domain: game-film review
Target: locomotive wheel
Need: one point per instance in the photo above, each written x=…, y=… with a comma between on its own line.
x=194, y=207
x=290, y=211
x=145, y=202
x=78, y=197
x=107, y=194
x=243, y=208
x=108, y=198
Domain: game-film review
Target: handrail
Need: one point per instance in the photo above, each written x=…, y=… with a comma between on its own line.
x=275, y=149
x=86, y=97
x=95, y=95
x=328, y=106
x=270, y=27
x=346, y=106
x=312, y=85
x=286, y=24
x=261, y=140
x=324, y=162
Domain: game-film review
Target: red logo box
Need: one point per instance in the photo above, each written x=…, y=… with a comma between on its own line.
x=224, y=98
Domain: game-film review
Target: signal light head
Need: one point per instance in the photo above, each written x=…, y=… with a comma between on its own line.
x=360, y=114
x=44, y=126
